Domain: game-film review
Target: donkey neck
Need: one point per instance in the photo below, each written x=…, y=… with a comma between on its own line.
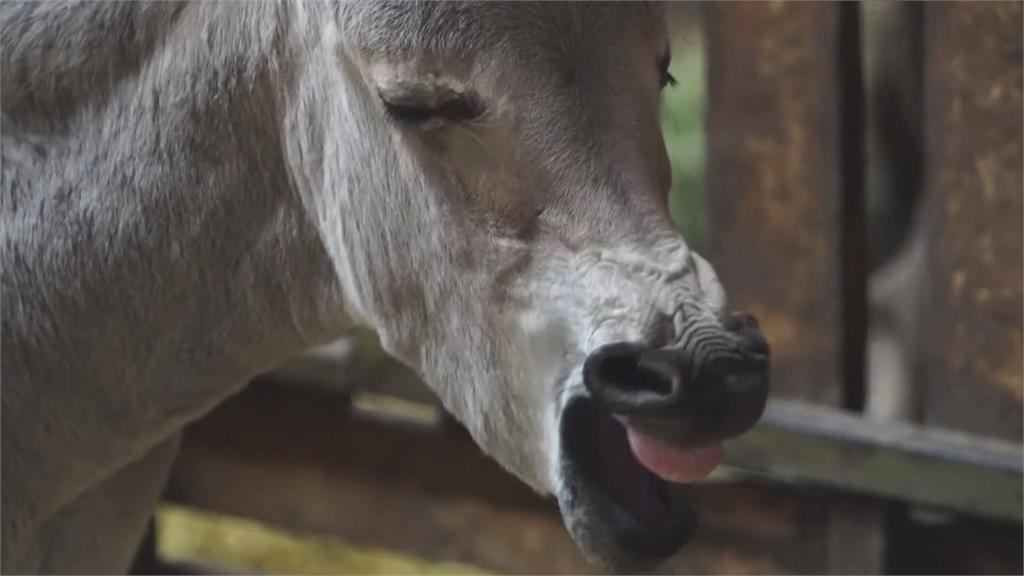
x=154, y=255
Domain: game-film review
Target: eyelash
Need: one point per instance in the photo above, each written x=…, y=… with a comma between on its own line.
x=464, y=109
x=459, y=109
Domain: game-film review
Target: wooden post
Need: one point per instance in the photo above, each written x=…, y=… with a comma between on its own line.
x=973, y=227
x=786, y=212
x=782, y=172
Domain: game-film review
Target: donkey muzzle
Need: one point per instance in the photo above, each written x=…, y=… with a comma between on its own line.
x=711, y=386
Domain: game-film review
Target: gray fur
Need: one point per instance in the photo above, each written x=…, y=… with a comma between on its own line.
x=192, y=193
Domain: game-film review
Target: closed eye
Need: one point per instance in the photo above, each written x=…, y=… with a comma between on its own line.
x=415, y=111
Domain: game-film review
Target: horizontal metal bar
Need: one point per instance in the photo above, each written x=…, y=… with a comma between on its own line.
x=804, y=443
x=798, y=443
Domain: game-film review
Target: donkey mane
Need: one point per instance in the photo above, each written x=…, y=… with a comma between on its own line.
x=58, y=57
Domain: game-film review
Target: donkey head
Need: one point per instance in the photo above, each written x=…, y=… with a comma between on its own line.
x=490, y=181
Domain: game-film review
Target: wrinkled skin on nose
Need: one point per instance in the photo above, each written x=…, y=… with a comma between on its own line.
x=710, y=387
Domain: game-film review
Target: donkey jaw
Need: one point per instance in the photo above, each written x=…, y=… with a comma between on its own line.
x=620, y=513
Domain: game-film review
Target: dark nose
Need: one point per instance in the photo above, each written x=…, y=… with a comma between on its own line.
x=712, y=387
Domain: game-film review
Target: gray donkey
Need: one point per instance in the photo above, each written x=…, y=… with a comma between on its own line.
x=194, y=192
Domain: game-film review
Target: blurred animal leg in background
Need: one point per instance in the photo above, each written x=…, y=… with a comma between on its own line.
x=893, y=372
x=99, y=532
x=892, y=48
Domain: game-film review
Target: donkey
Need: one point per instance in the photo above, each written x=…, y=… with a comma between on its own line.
x=194, y=192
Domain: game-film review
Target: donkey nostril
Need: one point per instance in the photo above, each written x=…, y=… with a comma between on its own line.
x=657, y=371
x=747, y=331
x=741, y=321
x=754, y=344
x=628, y=377
x=619, y=370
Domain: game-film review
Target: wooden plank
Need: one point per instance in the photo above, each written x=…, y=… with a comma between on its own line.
x=801, y=443
x=191, y=538
x=296, y=457
x=973, y=325
x=952, y=471
x=856, y=541
x=777, y=163
x=964, y=546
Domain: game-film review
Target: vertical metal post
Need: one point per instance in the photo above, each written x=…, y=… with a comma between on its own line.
x=786, y=212
x=775, y=183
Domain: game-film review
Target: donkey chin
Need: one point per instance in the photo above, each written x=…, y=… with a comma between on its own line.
x=646, y=417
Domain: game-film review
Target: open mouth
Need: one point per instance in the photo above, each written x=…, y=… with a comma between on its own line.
x=631, y=516
x=653, y=417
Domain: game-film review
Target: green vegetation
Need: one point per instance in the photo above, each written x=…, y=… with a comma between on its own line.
x=682, y=121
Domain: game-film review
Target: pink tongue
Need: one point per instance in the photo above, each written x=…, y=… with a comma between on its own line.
x=674, y=464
